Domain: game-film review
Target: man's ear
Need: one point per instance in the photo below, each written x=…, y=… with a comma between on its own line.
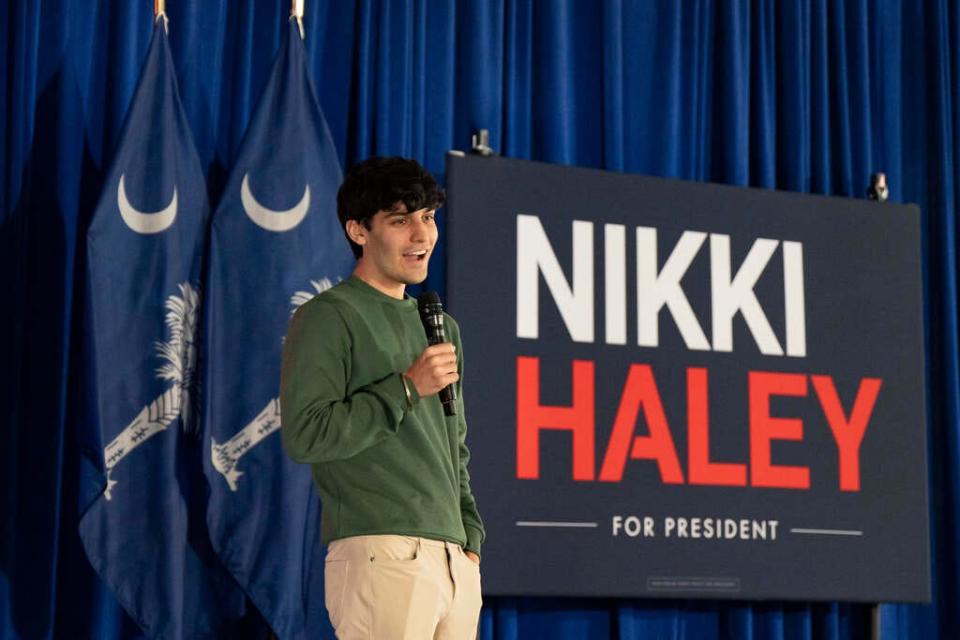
x=357, y=232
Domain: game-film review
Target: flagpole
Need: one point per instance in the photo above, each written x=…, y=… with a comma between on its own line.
x=296, y=11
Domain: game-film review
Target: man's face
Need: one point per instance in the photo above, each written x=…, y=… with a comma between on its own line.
x=398, y=245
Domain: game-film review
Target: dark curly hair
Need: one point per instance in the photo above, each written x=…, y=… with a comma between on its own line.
x=382, y=184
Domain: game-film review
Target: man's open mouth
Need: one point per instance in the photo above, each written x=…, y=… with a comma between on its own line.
x=417, y=256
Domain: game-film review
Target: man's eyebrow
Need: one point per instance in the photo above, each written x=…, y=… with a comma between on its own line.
x=392, y=214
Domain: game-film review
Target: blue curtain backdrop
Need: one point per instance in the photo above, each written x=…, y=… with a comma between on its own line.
x=803, y=95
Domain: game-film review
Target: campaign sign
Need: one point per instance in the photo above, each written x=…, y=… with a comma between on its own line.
x=687, y=390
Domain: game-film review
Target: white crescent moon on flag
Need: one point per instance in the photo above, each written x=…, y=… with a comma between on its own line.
x=142, y=221
x=268, y=218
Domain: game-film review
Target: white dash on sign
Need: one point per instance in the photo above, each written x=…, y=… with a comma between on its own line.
x=569, y=525
x=829, y=532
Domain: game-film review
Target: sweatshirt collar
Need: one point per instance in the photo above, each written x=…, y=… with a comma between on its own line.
x=359, y=285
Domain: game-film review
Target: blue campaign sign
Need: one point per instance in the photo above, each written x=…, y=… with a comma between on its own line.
x=144, y=529
x=275, y=243
x=689, y=390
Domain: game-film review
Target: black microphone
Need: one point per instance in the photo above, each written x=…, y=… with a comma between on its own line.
x=431, y=315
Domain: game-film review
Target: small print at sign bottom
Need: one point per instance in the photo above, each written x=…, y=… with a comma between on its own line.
x=687, y=583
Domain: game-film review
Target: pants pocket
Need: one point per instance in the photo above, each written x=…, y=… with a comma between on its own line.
x=393, y=550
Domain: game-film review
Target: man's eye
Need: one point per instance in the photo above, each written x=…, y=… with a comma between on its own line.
x=429, y=218
x=399, y=221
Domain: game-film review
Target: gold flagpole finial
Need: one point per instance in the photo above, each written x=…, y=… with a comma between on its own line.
x=296, y=11
x=160, y=12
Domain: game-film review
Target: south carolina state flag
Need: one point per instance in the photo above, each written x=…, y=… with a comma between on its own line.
x=275, y=243
x=143, y=526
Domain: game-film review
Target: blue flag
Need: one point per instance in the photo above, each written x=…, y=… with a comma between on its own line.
x=144, y=529
x=275, y=243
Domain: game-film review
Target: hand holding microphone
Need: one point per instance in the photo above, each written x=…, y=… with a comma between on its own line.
x=436, y=368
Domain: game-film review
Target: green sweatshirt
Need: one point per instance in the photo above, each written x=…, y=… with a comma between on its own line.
x=381, y=466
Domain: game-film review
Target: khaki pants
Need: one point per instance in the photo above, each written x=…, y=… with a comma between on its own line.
x=401, y=588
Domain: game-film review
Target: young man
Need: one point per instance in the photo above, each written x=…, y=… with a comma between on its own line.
x=359, y=401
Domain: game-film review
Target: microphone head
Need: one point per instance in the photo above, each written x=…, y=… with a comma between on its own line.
x=431, y=314
x=428, y=297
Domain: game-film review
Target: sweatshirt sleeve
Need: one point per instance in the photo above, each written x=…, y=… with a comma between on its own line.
x=320, y=422
x=472, y=523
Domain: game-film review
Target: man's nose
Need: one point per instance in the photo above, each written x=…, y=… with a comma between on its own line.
x=418, y=231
